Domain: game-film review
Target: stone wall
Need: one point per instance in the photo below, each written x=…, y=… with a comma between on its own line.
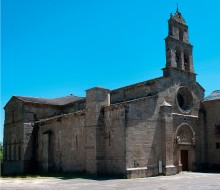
x=13, y=148
x=115, y=139
x=33, y=112
x=61, y=143
x=148, y=135
x=96, y=99
x=19, y=148
x=211, y=122
x=13, y=111
x=135, y=91
x=167, y=86
x=17, y=144
x=194, y=143
x=143, y=135
x=76, y=106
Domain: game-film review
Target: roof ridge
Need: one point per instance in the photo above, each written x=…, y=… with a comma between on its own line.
x=60, y=101
x=72, y=95
x=215, y=95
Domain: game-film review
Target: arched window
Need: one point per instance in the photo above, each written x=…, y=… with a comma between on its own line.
x=109, y=139
x=186, y=61
x=180, y=34
x=178, y=57
x=76, y=141
x=170, y=30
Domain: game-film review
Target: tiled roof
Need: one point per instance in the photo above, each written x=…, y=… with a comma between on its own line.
x=51, y=101
x=215, y=95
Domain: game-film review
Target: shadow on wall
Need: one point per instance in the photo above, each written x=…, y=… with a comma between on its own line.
x=67, y=176
x=30, y=163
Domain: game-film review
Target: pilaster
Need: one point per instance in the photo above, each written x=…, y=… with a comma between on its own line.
x=167, y=142
x=96, y=98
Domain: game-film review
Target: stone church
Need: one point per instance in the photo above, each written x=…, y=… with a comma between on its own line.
x=158, y=126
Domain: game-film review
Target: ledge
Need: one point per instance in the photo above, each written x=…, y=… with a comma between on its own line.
x=192, y=116
x=134, y=169
x=185, y=143
x=170, y=166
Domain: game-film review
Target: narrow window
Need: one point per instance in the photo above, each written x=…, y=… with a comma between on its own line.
x=14, y=153
x=109, y=139
x=19, y=152
x=180, y=34
x=178, y=57
x=76, y=142
x=42, y=148
x=217, y=129
x=217, y=145
x=13, y=116
x=58, y=144
x=170, y=30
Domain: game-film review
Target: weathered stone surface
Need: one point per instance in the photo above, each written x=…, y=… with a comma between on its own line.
x=126, y=131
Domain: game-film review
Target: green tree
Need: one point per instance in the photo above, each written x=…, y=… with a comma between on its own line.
x=1, y=152
x=1, y=157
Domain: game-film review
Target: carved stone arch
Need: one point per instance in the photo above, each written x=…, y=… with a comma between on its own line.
x=185, y=135
x=184, y=151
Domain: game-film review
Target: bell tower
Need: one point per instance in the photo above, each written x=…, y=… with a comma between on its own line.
x=178, y=49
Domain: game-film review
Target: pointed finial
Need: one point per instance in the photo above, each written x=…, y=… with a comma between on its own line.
x=177, y=8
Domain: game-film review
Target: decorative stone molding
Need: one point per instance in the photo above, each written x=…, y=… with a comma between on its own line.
x=134, y=169
x=185, y=135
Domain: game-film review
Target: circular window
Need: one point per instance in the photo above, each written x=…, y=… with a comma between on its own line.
x=184, y=99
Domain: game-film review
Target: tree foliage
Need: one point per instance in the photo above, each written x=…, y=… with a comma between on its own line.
x=1, y=151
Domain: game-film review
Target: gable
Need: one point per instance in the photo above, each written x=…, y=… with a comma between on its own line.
x=13, y=110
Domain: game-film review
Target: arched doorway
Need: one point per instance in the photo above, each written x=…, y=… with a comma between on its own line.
x=184, y=153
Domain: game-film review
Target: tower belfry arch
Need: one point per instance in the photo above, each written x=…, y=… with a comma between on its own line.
x=178, y=48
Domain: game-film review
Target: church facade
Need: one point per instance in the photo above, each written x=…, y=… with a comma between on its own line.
x=159, y=126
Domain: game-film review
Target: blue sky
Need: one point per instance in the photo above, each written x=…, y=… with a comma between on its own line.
x=53, y=48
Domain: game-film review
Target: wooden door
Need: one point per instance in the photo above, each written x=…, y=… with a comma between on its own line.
x=184, y=160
